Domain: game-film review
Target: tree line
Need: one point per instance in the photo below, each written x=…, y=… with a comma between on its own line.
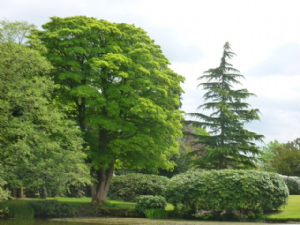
x=84, y=97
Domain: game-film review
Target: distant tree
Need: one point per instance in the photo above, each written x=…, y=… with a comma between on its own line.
x=38, y=145
x=14, y=32
x=287, y=158
x=122, y=93
x=230, y=144
x=268, y=154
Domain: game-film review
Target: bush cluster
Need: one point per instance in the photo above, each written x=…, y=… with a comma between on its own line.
x=52, y=208
x=148, y=202
x=293, y=184
x=128, y=187
x=157, y=214
x=226, y=191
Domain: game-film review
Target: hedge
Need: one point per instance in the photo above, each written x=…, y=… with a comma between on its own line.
x=226, y=191
x=128, y=187
x=293, y=184
x=146, y=202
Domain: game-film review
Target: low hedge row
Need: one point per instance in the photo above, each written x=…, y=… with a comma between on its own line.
x=148, y=202
x=293, y=184
x=214, y=194
x=128, y=187
x=39, y=209
x=225, y=191
x=52, y=208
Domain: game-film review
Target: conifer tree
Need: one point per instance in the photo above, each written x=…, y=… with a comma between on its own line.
x=230, y=144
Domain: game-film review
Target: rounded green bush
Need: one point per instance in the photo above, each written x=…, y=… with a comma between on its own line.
x=128, y=187
x=147, y=202
x=293, y=184
x=227, y=190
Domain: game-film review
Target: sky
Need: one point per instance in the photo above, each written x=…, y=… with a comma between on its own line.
x=264, y=34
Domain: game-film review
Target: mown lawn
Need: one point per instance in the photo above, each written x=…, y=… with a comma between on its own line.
x=83, y=201
x=111, y=203
x=290, y=211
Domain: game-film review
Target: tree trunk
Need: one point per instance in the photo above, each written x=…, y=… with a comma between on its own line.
x=21, y=192
x=221, y=163
x=14, y=192
x=100, y=188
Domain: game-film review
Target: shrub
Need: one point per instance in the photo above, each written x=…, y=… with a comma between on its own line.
x=225, y=191
x=20, y=212
x=3, y=212
x=293, y=184
x=52, y=208
x=128, y=187
x=156, y=214
x=147, y=202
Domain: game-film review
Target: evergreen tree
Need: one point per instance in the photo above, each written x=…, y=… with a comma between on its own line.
x=230, y=144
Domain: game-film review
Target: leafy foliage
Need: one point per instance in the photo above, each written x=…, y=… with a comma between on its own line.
x=230, y=144
x=287, y=158
x=128, y=187
x=156, y=213
x=268, y=154
x=14, y=32
x=148, y=202
x=20, y=211
x=39, y=145
x=41, y=209
x=227, y=190
x=117, y=85
x=188, y=151
x=52, y=208
x=293, y=184
x=4, y=193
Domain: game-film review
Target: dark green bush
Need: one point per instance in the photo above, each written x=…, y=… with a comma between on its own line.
x=225, y=191
x=156, y=214
x=52, y=208
x=293, y=184
x=147, y=202
x=128, y=187
x=19, y=211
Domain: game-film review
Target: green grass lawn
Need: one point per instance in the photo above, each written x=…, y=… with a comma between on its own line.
x=290, y=211
x=111, y=203
x=83, y=201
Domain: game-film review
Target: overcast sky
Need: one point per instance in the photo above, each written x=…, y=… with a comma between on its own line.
x=265, y=35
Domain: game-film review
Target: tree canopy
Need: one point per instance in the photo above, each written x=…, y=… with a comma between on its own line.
x=286, y=158
x=268, y=154
x=230, y=144
x=39, y=145
x=118, y=87
x=14, y=32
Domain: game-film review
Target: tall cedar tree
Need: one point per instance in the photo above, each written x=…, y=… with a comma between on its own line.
x=230, y=144
x=123, y=95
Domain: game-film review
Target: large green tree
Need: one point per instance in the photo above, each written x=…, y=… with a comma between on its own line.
x=286, y=158
x=38, y=145
x=118, y=86
x=267, y=155
x=230, y=144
